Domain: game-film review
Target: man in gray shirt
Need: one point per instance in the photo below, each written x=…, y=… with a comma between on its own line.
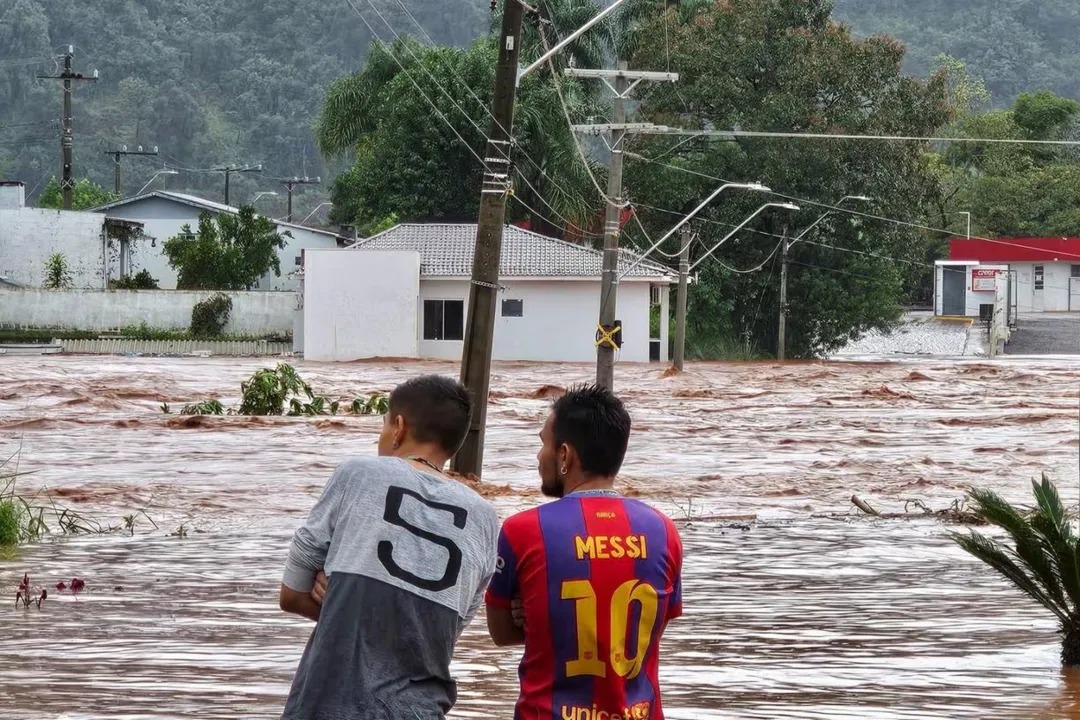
x=408, y=553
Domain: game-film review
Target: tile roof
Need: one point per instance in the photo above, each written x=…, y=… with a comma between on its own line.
x=202, y=204
x=447, y=251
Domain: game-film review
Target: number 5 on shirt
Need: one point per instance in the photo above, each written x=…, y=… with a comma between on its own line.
x=584, y=596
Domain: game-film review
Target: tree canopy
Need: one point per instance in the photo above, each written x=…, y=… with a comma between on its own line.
x=85, y=195
x=228, y=252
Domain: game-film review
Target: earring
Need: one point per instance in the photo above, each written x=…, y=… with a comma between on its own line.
x=396, y=444
x=563, y=470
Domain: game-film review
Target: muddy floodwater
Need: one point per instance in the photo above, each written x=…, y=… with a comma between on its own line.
x=795, y=608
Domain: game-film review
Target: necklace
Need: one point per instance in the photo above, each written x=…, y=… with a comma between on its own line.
x=595, y=493
x=422, y=461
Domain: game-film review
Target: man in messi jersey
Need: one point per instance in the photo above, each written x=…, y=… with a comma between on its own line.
x=598, y=575
x=408, y=553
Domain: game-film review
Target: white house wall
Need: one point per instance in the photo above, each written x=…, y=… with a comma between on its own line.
x=163, y=219
x=360, y=305
x=558, y=322
x=28, y=236
x=1054, y=297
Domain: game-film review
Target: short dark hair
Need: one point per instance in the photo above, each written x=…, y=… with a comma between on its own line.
x=595, y=423
x=437, y=409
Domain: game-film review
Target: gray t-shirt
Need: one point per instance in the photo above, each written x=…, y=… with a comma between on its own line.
x=408, y=556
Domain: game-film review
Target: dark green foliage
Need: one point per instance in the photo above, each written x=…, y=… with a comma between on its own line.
x=207, y=407
x=141, y=280
x=210, y=316
x=1042, y=558
x=86, y=195
x=229, y=252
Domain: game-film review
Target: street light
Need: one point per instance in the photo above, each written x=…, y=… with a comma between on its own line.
x=744, y=223
x=156, y=175
x=781, y=338
x=259, y=195
x=317, y=209
x=756, y=187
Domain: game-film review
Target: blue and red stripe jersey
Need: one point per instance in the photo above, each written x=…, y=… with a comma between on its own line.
x=599, y=578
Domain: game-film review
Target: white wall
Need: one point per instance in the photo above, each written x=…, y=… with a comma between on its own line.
x=1054, y=297
x=163, y=219
x=558, y=322
x=253, y=313
x=28, y=236
x=360, y=304
x=972, y=299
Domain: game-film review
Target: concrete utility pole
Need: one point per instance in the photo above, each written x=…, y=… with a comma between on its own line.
x=608, y=336
x=290, y=184
x=680, y=302
x=117, y=154
x=781, y=338
x=67, y=140
x=230, y=169
x=480, y=325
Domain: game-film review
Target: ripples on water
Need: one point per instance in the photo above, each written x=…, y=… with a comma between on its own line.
x=795, y=617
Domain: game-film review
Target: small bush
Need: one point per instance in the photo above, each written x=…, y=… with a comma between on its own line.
x=210, y=316
x=141, y=280
x=57, y=273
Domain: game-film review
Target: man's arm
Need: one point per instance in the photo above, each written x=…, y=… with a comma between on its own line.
x=307, y=554
x=500, y=596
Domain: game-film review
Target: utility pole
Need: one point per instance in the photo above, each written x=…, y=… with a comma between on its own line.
x=608, y=336
x=117, y=154
x=680, y=302
x=230, y=169
x=67, y=144
x=480, y=325
x=290, y=184
x=781, y=342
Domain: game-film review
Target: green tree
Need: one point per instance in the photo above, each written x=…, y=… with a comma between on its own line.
x=784, y=65
x=1043, y=559
x=409, y=163
x=86, y=195
x=229, y=252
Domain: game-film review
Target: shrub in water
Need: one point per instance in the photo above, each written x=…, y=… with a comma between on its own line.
x=210, y=316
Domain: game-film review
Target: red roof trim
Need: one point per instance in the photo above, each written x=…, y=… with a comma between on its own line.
x=1006, y=250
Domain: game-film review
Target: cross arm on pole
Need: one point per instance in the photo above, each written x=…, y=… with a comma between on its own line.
x=744, y=223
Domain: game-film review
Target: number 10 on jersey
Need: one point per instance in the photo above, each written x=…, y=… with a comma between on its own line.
x=584, y=596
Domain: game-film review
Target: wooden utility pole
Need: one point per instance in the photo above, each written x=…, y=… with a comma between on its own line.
x=290, y=184
x=230, y=169
x=680, y=302
x=781, y=338
x=117, y=154
x=67, y=139
x=480, y=325
x=608, y=336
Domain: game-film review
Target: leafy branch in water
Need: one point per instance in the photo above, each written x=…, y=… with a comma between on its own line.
x=281, y=391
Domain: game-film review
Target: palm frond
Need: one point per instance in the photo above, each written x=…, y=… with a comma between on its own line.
x=992, y=554
x=1038, y=557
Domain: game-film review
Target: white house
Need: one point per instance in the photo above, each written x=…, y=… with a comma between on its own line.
x=95, y=247
x=404, y=293
x=1045, y=271
x=164, y=214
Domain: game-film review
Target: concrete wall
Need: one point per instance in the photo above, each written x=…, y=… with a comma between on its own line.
x=558, y=322
x=253, y=313
x=360, y=304
x=973, y=299
x=164, y=219
x=28, y=236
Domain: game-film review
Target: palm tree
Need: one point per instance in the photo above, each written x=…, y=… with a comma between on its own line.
x=1044, y=559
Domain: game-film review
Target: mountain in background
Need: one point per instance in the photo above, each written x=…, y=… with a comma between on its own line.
x=1014, y=45
x=210, y=82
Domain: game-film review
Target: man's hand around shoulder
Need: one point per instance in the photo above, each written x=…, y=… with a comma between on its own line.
x=517, y=612
x=319, y=589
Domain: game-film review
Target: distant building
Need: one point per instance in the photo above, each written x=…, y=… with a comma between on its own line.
x=97, y=248
x=405, y=293
x=164, y=214
x=1045, y=271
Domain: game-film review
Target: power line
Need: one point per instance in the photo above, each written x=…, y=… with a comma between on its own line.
x=737, y=134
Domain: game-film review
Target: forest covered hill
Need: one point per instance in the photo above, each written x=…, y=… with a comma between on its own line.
x=215, y=82
x=1014, y=45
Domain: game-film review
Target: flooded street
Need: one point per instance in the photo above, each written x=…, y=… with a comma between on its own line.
x=805, y=612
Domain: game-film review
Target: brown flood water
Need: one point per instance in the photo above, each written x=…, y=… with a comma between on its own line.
x=796, y=615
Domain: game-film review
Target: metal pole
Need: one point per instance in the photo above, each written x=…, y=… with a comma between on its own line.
x=571, y=38
x=288, y=215
x=67, y=141
x=480, y=326
x=781, y=338
x=680, y=301
x=116, y=174
x=609, y=290
x=228, y=172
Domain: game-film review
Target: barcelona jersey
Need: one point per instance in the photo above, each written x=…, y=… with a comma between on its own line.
x=599, y=578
